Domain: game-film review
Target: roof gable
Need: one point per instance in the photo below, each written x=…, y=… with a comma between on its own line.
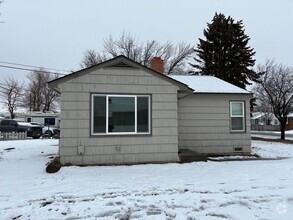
x=117, y=62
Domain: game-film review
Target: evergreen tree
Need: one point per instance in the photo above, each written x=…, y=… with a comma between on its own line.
x=225, y=52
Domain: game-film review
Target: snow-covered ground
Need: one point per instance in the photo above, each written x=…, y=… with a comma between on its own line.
x=201, y=190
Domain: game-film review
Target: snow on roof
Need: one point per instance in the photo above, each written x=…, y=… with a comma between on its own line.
x=41, y=114
x=290, y=115
x=208, y=84
x=256, y=115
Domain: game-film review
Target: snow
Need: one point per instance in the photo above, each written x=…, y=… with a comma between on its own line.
x=208, y=84
x=256, y=115
x=201, y=190
x=273, y=150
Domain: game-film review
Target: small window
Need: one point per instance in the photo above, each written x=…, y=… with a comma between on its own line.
x=29, y=120
x=120, y=114
x=237, y=119
x=49, y=121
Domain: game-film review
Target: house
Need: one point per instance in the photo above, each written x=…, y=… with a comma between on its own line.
x=264, y=121
x=121, y=112
x=289, y=126
x=264, y=118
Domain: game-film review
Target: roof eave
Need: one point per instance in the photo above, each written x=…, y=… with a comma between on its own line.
x=230, y=93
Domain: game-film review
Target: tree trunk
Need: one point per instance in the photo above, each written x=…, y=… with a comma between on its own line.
x=283, y=125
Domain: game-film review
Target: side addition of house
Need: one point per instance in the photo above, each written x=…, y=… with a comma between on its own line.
x=215, y=118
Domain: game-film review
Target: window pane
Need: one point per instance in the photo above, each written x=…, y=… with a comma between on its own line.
x=99, y=114
x=237, y=108
x=121, y=114
x=237, y=124
x=49, y=121
x=142, y=114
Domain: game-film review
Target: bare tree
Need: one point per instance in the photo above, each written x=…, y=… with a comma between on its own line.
x=40, y=97
x=276, y=90
x=91, y=58
x=175, y=56
x=11, y=93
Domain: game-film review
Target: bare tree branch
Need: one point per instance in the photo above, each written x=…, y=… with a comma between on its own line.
x=11, y=93
x=175, y=56
x=275, y=92
x=39, y=96
x=91, y=58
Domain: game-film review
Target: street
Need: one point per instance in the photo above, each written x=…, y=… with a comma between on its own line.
x=271, y=134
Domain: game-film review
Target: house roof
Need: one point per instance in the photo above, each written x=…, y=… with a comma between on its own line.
x=208, y=84
x=190, y=83
x=119, y=62
x=258, y=115
x=290, y=115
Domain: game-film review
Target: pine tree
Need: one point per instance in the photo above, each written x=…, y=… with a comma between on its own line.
x=225, y=52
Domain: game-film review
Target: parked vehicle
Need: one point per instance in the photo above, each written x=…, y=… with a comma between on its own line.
x=47, y=130
x=9, y=125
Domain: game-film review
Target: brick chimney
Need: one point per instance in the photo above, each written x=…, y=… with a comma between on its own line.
x=157, y=64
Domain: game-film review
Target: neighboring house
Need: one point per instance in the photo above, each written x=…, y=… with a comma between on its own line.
x=121, y=112
x=290, y=118
x=289, y=126
x=257, y=118
x=264, y=121
x=264, y=118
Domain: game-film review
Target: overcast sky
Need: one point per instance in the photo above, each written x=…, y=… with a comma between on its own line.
x=55, y=33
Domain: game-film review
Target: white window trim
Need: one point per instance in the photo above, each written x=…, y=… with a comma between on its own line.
x=107, y=108
x=237, y=116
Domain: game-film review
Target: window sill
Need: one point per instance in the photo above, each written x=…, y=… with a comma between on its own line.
x=237, y=132
x=120, y=135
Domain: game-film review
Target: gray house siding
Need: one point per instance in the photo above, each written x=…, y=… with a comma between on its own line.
x=204, y=124
x=160, y=146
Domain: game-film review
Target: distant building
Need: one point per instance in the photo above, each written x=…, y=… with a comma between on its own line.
x=290, y=122
x=48, y=118
x=264, y=118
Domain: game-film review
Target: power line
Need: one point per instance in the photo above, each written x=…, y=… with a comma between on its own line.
x=19, y=64
x=27, y=69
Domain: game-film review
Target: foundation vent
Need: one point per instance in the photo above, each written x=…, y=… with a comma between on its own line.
x=238, y=149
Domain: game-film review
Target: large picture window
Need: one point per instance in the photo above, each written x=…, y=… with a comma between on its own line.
x=237, y=118
x=120, y=114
